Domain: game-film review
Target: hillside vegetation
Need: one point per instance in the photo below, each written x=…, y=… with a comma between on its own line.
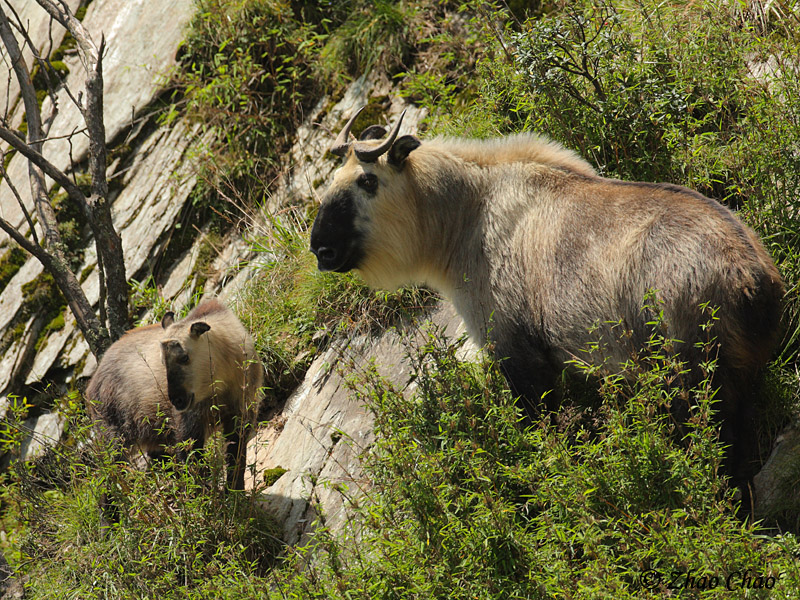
x=600, y=502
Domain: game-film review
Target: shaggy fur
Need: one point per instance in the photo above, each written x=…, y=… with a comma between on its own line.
x=539, y=255
x=132, y=392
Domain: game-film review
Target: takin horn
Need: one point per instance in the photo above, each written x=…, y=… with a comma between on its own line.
x=343, y=142
x=364, y=152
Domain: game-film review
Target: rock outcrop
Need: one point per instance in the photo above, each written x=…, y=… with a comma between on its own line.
x=316, y=441
x=152, y=183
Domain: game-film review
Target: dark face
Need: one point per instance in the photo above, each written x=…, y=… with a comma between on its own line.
x=176, y=361
x=343, y=232
x=335, y=240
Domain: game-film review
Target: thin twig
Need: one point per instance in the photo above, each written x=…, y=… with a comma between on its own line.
x=5, y=178
x=32, y=248
x=40, y=161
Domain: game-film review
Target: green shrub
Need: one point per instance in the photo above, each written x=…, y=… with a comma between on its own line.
x=376, y=32
x=466, y=504
x=168, y=531
x=246, y=77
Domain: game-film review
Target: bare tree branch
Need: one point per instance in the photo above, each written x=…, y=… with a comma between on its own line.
x=109, y=244
x=49, y=169
x=45, y=62
x=92, y=329
x=30, y=247
x=52, y=255
x=12, y=187
x=8, y=89
x=47, y=217
x=60, y=14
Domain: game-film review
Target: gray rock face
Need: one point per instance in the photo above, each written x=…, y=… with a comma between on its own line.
x=38, y=27
x=776, y=486
x=139, y=51
x=43, y=432
x=323, y=430
x=11, y=296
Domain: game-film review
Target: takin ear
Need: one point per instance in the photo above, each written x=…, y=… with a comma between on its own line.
x=373, y=132
x=199, y=328
x=168, y=319
x=401, y=149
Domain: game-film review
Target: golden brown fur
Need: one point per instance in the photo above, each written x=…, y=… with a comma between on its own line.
x=540, y=255
x=128, y=395
x=520, y=148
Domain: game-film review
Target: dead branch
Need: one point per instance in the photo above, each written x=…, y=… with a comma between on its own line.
x=7, y=180
x=108, y=242
x=96, y=209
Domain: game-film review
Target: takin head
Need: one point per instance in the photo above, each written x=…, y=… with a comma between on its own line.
x=183, y=360
x=370, y=188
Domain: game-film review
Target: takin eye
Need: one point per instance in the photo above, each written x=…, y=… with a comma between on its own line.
x=183, y=359
x=367, y=182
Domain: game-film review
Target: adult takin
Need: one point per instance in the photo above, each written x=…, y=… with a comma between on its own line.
x=178, y=381
x=541, y=257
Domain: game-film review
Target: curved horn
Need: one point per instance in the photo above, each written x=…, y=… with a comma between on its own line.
x=343, y=142
x=369, y=154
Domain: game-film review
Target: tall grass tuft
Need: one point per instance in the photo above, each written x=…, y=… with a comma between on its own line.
x=92, y=526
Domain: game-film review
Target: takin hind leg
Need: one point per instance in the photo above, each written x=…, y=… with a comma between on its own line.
x=190, y=433
x=235, y=451
x=738, y=432
x=735, y=419
x=532, y=380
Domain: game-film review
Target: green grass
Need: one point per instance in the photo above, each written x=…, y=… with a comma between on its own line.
x=176, y=534
x=246, y=75
x=378, y=32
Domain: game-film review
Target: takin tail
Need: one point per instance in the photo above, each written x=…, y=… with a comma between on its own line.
x=743, y=354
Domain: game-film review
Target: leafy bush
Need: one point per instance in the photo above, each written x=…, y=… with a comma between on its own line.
x=167, y=531
x=608, y=504
x=246, y=76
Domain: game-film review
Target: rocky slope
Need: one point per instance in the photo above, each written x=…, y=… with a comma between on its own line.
x=319, y=433
x=151, y=182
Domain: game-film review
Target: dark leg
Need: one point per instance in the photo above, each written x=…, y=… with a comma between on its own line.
x=235, y=451
x=737, y=411
x=190, y=428
x=108, y=507
x=529, y=380
x=108, y=510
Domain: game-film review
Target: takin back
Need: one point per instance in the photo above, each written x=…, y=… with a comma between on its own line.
x=155, y=387
x=541, y=257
